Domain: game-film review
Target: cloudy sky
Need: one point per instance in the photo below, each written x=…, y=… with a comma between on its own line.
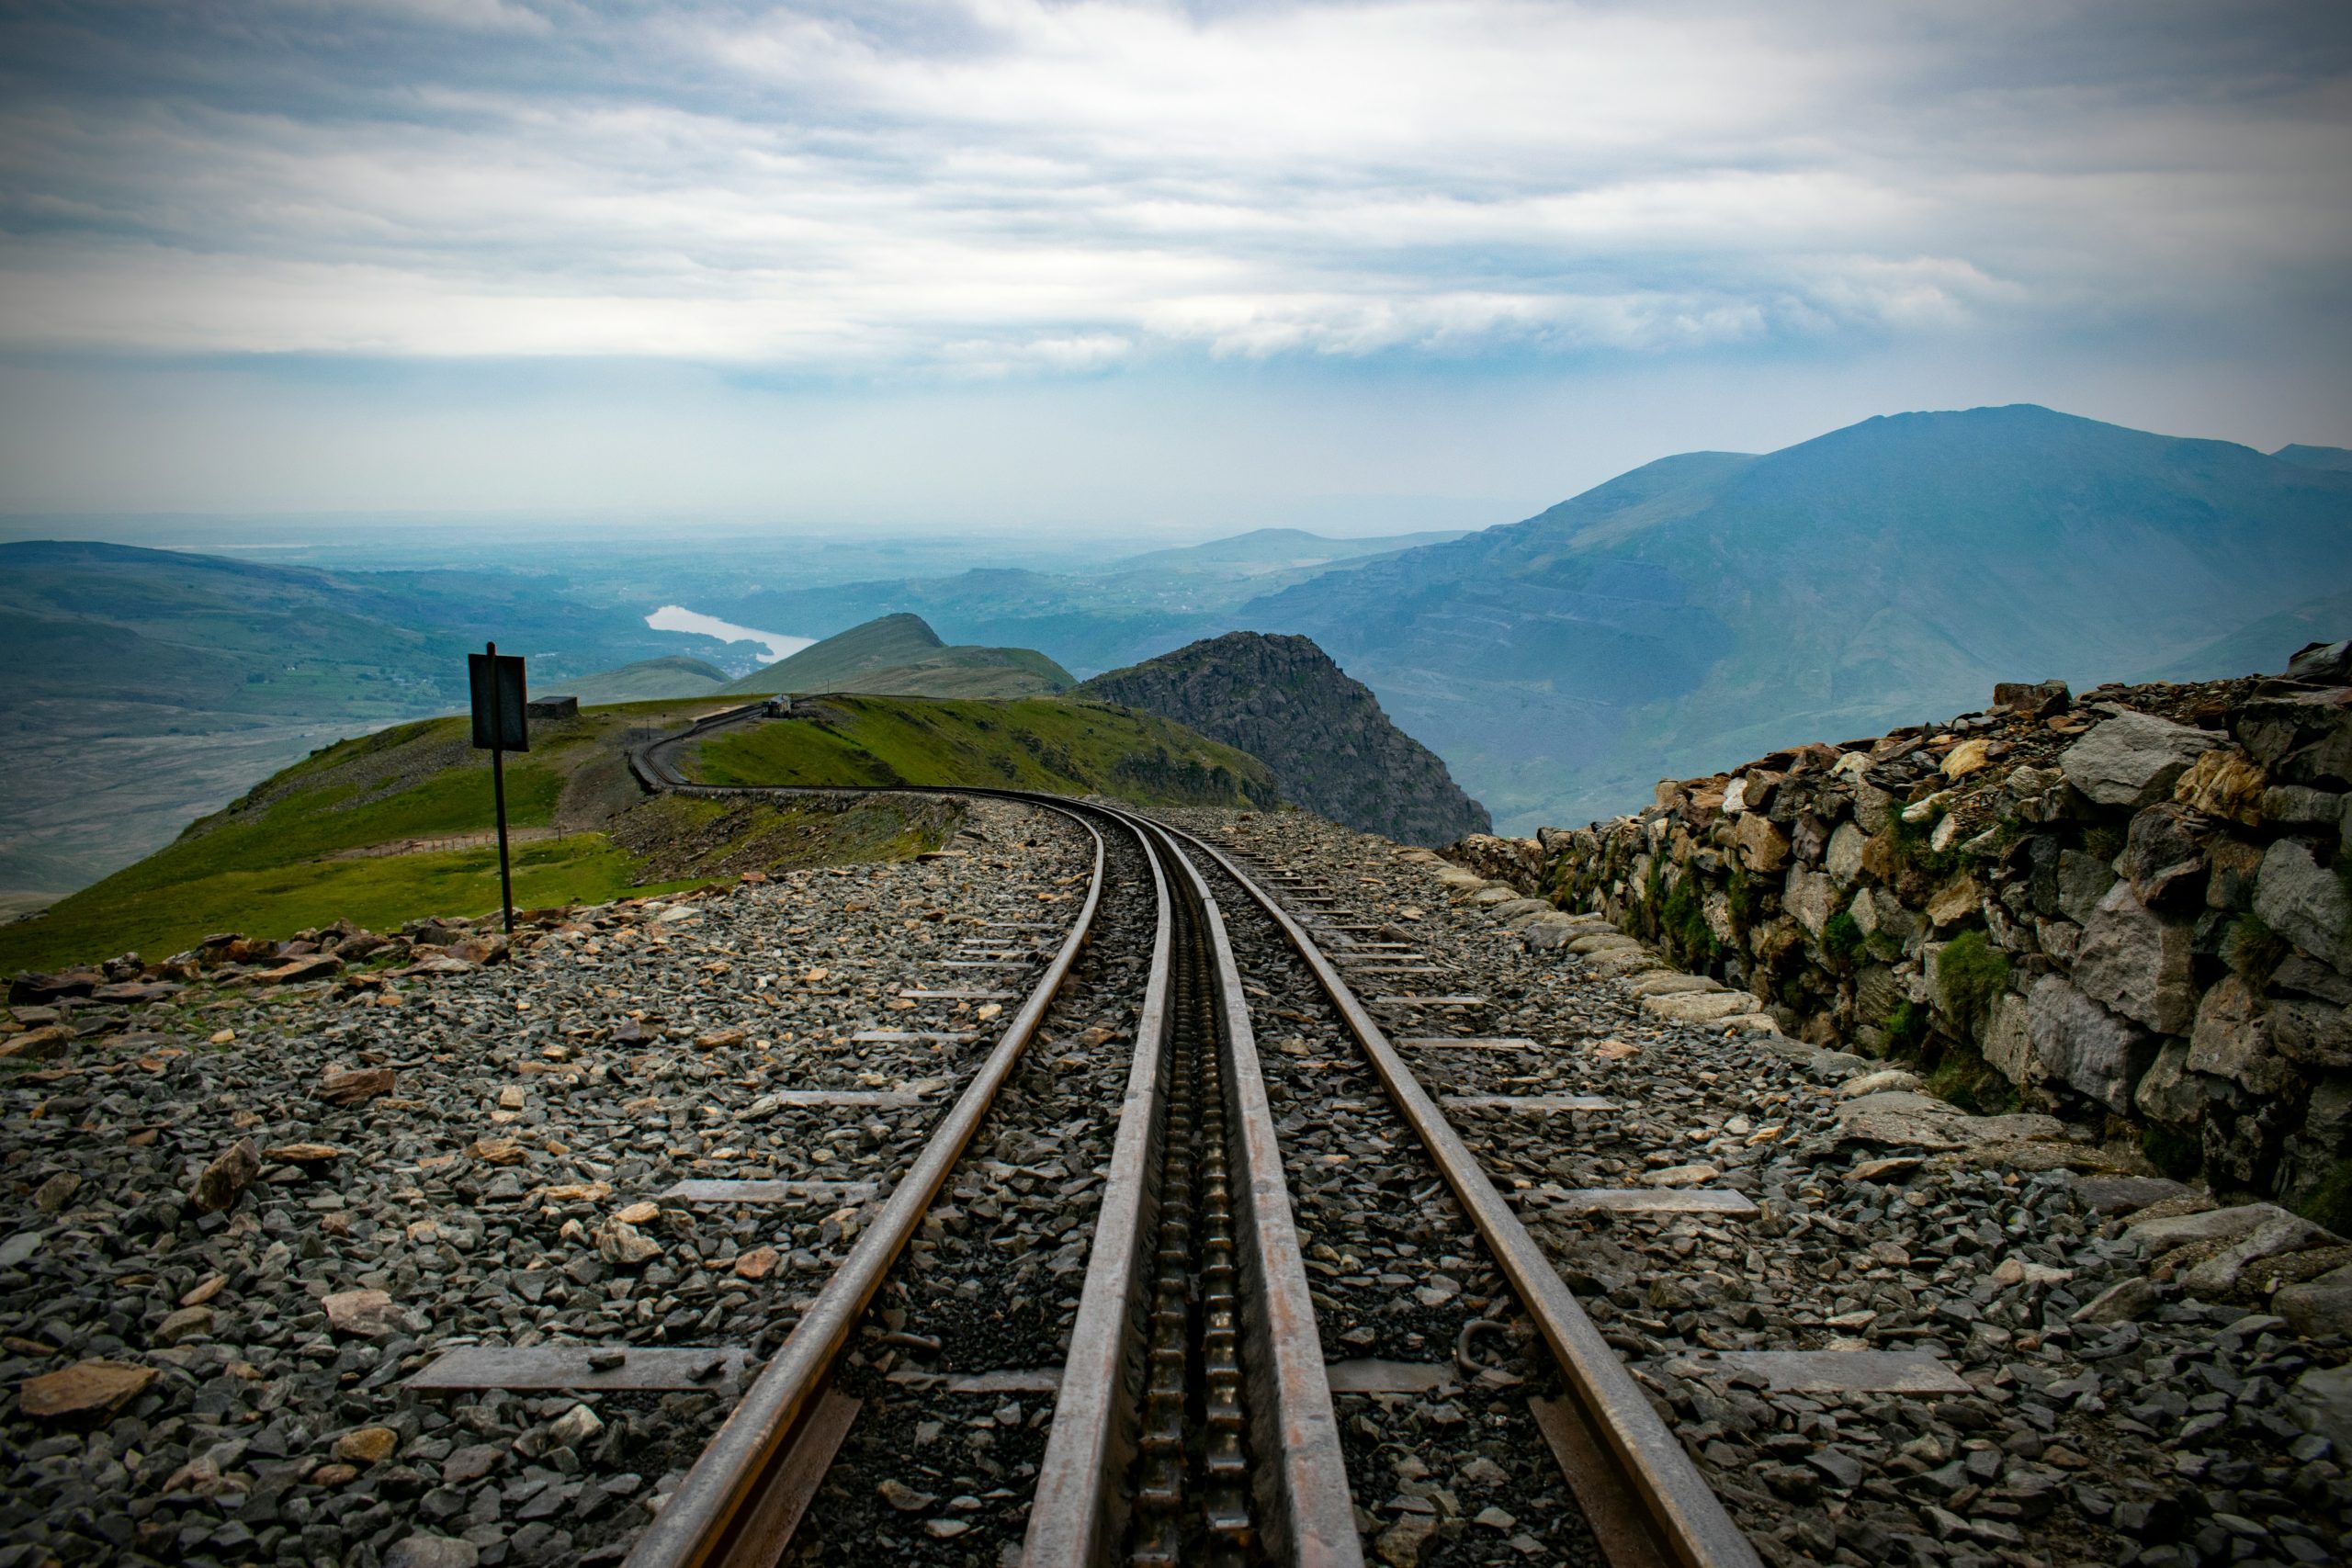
x=1068, y=265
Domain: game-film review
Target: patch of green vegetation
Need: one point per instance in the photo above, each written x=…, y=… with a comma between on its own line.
x=1683, y=918
x=685, y=836
x=1842, y=937
x=1969, y=975
x=2104, y=841
x=378, y=891
x=1970, y=1082
x=1904, y=1029
x=1040, y=743
x=2178, y=1155
x=2330, y=1205
x=1741, y=894
x=2253, y=951
x=283, y=856
x=1911, y=843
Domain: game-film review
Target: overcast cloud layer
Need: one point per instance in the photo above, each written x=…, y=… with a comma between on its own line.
x=239, y=244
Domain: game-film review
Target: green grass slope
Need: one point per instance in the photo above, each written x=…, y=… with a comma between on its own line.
x=396, y=825
x=900, y=655
x=1039, y=743
x=146, y=687
x=647, y=680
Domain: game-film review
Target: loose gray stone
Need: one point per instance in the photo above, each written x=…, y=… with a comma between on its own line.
x=2220, y=1274
x=2318, y=1306
x=2120, y=1302
x=2214, y=1224
x=432, y=1551
x=2133, y=759
x=2322, y=1401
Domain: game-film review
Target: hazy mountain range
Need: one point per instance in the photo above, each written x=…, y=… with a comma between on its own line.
x=1685, y=615
x=1710, y=606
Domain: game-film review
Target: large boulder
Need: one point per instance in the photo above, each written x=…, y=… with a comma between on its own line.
x=2305, y=902
x=2081, y=1043
x=2318, y=1307
x=2301, y=736
x=1901, y=1119
x=2318, y=1034
x=2327, y=664
x=2133, y=758
x=2164, y=1232
x=2237, y=1266
x=2224, y=783
x=2138, y=962
x=2231, y=1040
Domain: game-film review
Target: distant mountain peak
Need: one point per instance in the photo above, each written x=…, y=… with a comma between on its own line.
x=1699, y=607
x=902, y=623
x=1284, y=701
x=899, y=655
x=2334, y=459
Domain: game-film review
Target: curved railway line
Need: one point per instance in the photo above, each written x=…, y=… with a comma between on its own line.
x=1195, y=1412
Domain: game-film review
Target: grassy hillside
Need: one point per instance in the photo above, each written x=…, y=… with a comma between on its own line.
x=1040, y=743
x=900, y=655
x=397, y=825
x=647, y=680
x=146, y=687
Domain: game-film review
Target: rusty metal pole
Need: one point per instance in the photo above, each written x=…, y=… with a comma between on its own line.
x=498, y=791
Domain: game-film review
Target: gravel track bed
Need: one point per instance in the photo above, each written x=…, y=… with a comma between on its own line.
x=502, y=1190
x=1459, y=1473
x=2167, y=1433
x=927, y=1476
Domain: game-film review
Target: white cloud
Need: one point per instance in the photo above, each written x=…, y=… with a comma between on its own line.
x=1008, y=186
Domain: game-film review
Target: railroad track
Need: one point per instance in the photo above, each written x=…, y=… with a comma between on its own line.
x=1207, y=1407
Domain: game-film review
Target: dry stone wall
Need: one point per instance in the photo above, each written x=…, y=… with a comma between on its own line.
x=2133, y=909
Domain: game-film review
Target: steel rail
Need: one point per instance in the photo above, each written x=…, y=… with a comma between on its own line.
x=1077, y=1513
x=1301, y=1476
x=1645, y=1501
x=1678, y=1516
x=726, y=1510
x=1300, y=1495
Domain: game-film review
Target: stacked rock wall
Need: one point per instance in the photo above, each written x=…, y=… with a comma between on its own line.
x=2130, y=909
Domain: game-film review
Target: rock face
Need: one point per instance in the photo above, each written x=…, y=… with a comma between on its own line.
x=1332, y=749
x=2137, y=907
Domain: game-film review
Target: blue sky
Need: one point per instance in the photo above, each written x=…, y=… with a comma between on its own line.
x=1010, y=265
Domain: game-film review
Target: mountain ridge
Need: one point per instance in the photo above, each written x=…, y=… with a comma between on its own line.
x=1698, y=608
x=1332, y=750
x=899, y=655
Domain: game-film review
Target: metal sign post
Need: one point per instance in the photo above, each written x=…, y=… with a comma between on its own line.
x=501, y=725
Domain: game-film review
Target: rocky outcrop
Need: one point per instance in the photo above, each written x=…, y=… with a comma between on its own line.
x=2135, y=910
x=1333, y=751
